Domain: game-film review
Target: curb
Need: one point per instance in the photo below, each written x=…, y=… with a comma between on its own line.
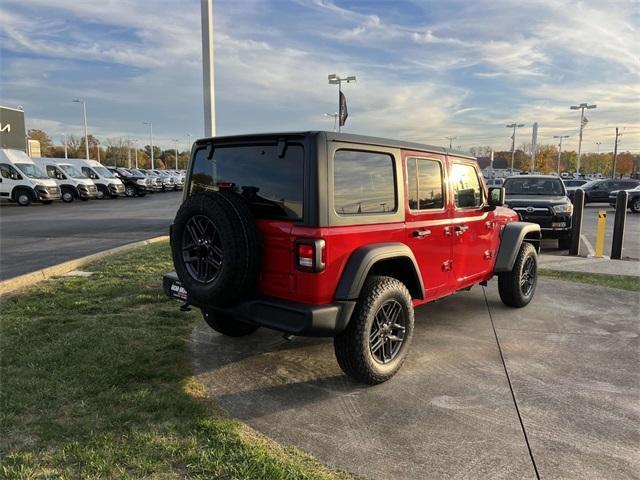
x=28, y=279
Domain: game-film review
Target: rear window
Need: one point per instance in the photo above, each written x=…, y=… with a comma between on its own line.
x=272, y=184
x=363, y=183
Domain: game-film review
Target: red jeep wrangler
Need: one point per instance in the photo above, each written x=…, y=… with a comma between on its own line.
x=330, y=234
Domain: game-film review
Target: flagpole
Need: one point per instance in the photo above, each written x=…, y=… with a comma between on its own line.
x=336, y=80
x=581, y=107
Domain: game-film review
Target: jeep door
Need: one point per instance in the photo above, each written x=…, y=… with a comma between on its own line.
x=473, y=238
x=427, y=219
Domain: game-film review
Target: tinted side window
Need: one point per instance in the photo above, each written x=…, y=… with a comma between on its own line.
x=363, y=183
x=5, y=170
x=466, y=186
x=424, y=178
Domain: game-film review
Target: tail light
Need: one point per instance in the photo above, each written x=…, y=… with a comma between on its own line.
x=310, y=254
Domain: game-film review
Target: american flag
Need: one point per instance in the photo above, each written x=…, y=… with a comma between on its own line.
x=585, y=120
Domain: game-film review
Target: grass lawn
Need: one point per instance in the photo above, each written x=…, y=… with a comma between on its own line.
x=95, y=382
x=623, y=282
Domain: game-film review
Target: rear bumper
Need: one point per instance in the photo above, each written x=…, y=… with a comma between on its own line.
x=290, y=317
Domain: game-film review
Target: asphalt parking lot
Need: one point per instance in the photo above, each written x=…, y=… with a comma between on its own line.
x=39, y=236
x=571, y=360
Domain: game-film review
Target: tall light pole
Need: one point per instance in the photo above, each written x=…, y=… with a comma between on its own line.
x=150, y=141
x=560, y=148
x=451, y=139
x=175, y=141
x=598, y=154
x=135, y=151
x=581, y=107
x=208, y=69
x=190, y=143
x=86, y=130
x=336, y=80
x=333, y=115
x=514, y=125
x=98, y=145
x=65, y=145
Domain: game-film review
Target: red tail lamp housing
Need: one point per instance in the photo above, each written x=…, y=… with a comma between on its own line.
x=310, y=256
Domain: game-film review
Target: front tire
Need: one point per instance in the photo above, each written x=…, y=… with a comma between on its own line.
x=376, y=342
x=130, y=191
x=516, y=288
x=227, y=324
x=23, y=199
x=635, y=205
x=67, y=196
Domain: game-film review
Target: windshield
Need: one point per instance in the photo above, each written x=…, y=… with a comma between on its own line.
x=138, y=172
x=72, y=171
x=589, y=184
x=534, y=186
x=124, y=172
x=268, y=177
x=574, y=183
x=30, y=170
x=103, y=172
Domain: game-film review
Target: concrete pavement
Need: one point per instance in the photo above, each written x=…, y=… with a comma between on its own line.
x=39, y=236
x=449, y=413
x=589, y=265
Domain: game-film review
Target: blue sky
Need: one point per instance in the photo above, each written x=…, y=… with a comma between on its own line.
x=426, y=70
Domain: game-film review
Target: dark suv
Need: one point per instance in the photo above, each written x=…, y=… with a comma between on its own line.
x=329, y=234
x=598, y=191
x=542, y=199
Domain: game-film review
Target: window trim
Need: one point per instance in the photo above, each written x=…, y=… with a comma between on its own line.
x=480, y=184
x=395, y=183
x=442, y=183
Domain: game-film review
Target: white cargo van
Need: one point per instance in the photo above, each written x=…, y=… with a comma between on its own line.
x=72, y=182
x=106, y=182
x=22, y=181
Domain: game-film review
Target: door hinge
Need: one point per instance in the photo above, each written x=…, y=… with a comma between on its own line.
x=447, y=266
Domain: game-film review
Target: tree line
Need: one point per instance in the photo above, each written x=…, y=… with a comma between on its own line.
x=117, y=151
x=547, y=160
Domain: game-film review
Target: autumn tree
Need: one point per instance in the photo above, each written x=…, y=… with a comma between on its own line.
x=45, y=141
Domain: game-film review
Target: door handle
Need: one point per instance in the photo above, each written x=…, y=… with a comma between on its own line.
x=460, y=229
x=421, y=233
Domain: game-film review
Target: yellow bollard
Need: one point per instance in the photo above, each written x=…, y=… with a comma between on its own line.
x=602, y=222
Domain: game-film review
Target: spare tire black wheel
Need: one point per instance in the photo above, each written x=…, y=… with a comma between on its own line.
x=215, y=247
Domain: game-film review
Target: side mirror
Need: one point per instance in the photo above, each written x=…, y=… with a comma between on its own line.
x=496, y=196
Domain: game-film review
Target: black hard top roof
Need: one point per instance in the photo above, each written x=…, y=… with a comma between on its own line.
x=346, y=137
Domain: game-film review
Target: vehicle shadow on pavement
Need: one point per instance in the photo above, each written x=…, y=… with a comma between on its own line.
x=449, y=410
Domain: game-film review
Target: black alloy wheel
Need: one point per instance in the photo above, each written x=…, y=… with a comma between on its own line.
x=387, y=332
x=528, y=276
x=202, y=249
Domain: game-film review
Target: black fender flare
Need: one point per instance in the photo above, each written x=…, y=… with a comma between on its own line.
x=362, y=261
x=513, y=234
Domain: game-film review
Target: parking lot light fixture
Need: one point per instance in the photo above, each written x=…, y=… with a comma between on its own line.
x=514, y=125
x=189, y=137
x=175, y=142
x=86, y=130
x=560, y=137
x=150, y=142
x=582, y=108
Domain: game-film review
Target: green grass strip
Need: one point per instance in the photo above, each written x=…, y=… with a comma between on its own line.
x=96, y=383
x=623, y=282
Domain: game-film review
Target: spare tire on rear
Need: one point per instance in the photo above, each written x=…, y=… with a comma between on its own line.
x=215, y=247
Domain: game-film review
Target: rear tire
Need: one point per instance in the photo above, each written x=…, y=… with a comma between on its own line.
x=376, y=342
x=227, y=324
x=516, y=288
x=635, y=205
x=130, y=191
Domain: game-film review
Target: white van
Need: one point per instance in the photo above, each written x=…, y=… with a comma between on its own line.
x=73, y=183
x=22, y=181
x=106, y=182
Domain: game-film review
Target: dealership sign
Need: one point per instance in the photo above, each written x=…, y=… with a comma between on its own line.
x=13, y=133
